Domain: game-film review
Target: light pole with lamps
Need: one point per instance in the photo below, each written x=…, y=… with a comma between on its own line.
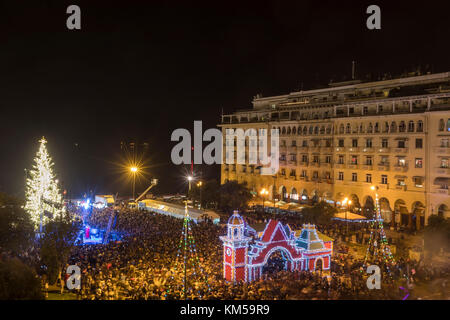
x=199, y=185
x=347, y=203
x=264, y=193
x=134, y=170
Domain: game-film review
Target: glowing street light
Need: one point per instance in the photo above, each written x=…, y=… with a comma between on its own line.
x=133, y=171
x=199, y=185
x=264, y=193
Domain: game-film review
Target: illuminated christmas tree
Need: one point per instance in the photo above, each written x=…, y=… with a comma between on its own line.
x=378, y=249
x=187, y=266
x=43, y=198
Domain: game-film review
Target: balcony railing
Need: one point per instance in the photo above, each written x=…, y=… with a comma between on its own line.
x=442, y=150
x=441, y=170
x=400, y=150
x=383, y=150
x=367, y=150
x=383, y=167
x=353, y=149
x=367, y=167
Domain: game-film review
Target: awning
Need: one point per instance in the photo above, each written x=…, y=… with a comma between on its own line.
x=441, y=180
x=350, y=216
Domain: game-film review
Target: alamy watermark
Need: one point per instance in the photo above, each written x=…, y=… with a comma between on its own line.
x=259, y=151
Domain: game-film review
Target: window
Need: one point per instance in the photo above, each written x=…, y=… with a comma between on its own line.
x=402, y=126
x=351, y=110
x=304, y=158
x=283, y=172
x=369, y=178
x=441, y=125
x=252, y=169
x=354, y=143
x=303, y=173
x=377, y=128
x=341, y=176
x=393, y=127
x=354, y=160
x=315, y=174
x=354, y=176
x=283, y=143
x=244, y=168
x=384, y=143
x=401, y=182
x=365, y=110
x=282, y=157
x=411, y=126
x=369, y=161
x=420, y=126
x=419, y=143
x=444, y=163
x=401, y=161
x=292, y=174
x=305, y=143
x=419, y=162
x=341, y=159
x=347, y=130
x=368, y=143
x=294, y=143
x=316, y=159
x=341, y=143
x=384, y=179
x=293, y=157
x=418, y=182
x=401, y=144
x=380, y=109
x=328, y=159
x=384, y=160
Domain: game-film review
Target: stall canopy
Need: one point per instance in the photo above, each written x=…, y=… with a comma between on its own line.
x=350, y=216
x=177, y=210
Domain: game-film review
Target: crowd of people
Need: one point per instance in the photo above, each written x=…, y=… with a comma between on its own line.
x=146, y=264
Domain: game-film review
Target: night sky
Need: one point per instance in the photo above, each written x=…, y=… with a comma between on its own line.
x=137, y=70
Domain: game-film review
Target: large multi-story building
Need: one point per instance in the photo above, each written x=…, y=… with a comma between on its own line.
x=338, y=141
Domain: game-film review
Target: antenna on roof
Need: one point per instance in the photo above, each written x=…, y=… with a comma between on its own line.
x=353, y=69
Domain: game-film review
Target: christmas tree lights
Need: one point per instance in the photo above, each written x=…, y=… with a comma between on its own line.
x=188, y=263
x=378, y=248
x=43, y=197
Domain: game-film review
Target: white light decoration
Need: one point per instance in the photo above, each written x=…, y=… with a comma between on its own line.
x=43, y=196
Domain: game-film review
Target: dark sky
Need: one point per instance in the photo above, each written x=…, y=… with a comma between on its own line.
x=137, y=70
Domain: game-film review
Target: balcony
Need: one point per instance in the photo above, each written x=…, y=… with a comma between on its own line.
x=352, y=165
x=442, y=150
x=304, y=163
x=400, y=187
x=400, y=150
x=303, y=149
x=384, y=150
x=326, y=165
x=383, y=167
x=400, y=168
x=293, y=162
x=367, y=150
x=340, y=149
x=441, y=170
x=327, y=150
x=443, y=191
x=339, y=165
x=367, y=167
x=353, y=149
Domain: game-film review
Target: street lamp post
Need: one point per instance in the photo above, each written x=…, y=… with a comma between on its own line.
x=133, y=172
x=263, y=193
x=199, y=185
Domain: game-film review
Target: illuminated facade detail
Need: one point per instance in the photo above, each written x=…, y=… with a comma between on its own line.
x=337, y=142
x=301, y=249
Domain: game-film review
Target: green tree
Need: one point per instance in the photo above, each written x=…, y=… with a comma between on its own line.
x=437, y=233
x=321, y=213
x=234, y=195
x=57, y=243
x=18, y=281
x=16, y=229
x=207, y=193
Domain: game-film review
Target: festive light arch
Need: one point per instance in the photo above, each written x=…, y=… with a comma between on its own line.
x=246, y=252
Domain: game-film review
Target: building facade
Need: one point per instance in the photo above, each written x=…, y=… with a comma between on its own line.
x=337, y=142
